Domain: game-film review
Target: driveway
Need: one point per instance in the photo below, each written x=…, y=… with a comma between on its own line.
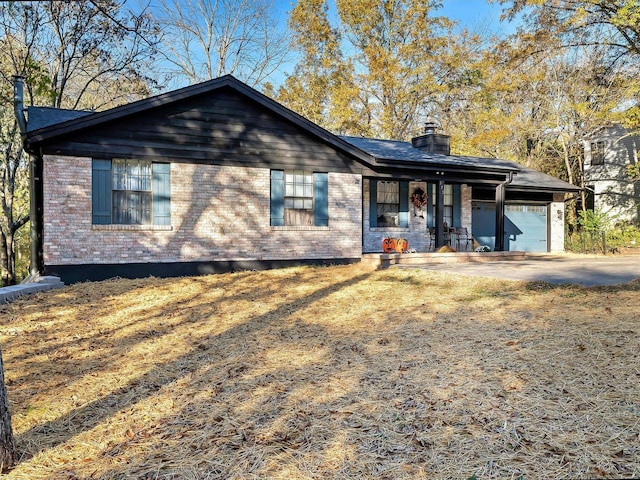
x=584, y=270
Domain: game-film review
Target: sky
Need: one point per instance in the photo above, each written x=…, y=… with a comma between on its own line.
x=472, y=13
x=468, y=13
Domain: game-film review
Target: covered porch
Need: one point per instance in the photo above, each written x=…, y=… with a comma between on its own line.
x=419, y=192
x=428, y=214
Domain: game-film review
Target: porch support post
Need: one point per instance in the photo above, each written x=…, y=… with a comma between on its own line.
x=500, y=196
x=440, y=214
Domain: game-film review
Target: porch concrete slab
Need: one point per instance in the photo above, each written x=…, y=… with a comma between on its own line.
x=384, y=260
x=587, y=270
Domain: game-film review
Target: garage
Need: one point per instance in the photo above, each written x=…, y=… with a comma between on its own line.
x=525, y=226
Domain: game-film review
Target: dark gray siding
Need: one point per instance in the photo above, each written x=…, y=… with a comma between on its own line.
x=221, y=127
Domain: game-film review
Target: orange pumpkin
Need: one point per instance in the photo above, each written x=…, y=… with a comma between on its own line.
x=402, y=245
x=388, y=245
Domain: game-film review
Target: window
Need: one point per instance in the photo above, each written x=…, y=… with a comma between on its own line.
x=451, y=197
x=447, y=214
x=299, y=198
x=389, y=203
x=597, y=153
x=130, y=192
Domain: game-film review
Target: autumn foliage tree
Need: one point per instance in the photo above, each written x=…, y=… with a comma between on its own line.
x=370, y=72
x=322, y=86
x=610, y=26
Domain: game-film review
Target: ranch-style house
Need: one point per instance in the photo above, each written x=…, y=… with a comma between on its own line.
x=217, y=176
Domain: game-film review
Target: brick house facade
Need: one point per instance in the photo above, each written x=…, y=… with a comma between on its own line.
x=217, y=213
x=217, y=176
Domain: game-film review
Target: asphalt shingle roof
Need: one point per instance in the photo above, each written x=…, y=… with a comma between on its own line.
x=399, y=152
x=40, y=117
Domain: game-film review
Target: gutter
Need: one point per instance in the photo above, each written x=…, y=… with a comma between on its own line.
x=443, y=166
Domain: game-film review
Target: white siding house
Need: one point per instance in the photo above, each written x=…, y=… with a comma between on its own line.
x=607, y=153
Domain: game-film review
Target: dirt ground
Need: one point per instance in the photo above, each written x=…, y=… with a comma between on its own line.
x=338, y=372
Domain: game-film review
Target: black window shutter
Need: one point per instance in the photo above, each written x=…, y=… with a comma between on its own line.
x=100, y=192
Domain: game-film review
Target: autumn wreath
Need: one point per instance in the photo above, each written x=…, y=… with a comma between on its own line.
x=419, y=198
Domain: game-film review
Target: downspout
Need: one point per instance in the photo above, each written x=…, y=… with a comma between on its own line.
x=500, y=199
x=36, y=266
x=440, y=212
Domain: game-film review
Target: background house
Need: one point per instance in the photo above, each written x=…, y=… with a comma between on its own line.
x=217, y=176
x=607, y=153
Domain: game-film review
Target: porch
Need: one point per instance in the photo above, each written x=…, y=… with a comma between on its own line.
x=385, y=260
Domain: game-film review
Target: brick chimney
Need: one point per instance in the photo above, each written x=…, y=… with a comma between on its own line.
x=432, y=142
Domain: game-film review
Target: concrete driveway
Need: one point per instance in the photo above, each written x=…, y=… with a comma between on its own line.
x=587, y=270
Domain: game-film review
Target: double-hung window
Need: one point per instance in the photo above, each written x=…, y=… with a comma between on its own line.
x=447, y=205
x=130, y=192
x=389, y=203
x=299, y=198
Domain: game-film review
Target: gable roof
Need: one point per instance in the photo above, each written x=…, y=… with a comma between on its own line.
x=72, y=123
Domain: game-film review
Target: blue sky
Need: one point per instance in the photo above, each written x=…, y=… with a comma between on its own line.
x=468, y=13
x=475, y=13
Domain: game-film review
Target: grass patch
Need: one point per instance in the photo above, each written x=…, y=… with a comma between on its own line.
x=336, y=372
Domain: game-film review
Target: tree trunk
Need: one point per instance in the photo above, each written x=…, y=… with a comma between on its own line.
x=7, y=446
x=4, y=261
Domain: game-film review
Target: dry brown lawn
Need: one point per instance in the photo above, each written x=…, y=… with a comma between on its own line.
x=325, y=373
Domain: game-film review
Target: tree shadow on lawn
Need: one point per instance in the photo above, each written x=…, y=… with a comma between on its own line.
x=411, y=390
x=63, y=429
x=138, y=323
x=415, y=392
